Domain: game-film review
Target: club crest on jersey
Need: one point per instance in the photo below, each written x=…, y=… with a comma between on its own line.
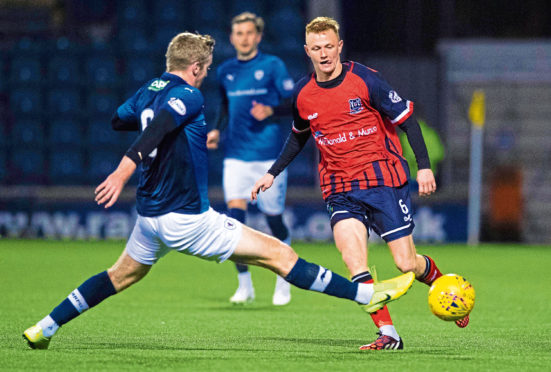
x=230, y=77
x=394, y=97
x=355, y=105
x=258, y=74
x=177, y=105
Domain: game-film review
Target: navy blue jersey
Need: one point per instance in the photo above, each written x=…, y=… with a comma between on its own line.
x=263, y=79
x=173, y=177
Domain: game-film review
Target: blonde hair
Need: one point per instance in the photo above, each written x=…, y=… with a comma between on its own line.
x=320, y=24
x=249, y=17
x=187, y=48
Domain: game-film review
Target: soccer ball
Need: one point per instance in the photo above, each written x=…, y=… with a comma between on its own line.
x=451, y=297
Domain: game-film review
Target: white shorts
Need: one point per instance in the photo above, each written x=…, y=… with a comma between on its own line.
x=240, y=177
x=209, y=235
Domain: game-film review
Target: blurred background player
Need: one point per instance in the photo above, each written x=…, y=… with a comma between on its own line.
x=173, y=207
x=351, y=113
x=251, y=86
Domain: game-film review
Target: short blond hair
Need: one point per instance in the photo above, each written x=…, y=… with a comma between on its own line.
x=187, y=48
x=320, y=24
x=249, y=17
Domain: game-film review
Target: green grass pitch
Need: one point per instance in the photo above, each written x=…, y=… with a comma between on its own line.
x=179, y=318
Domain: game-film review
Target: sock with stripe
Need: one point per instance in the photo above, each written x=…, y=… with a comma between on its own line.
x=89, y=294
x=316, y=278
x=381, y=317
x=431, y=272
x=239, y=215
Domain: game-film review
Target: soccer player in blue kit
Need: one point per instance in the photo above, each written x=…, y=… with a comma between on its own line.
x=172, y=203
x=252, y=86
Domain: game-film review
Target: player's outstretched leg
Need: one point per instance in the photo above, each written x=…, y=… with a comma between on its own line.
x=124, y=273
x=245, y=290
x=282, y=291
x=259, y=249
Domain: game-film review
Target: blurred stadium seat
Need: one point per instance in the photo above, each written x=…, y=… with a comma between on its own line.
x=64, y=102
x=27, y=165
x=138, y=70
x=64, y=133
x=101, y=70
x=132, y=12
x=240, y=6
x=133, y=39
x=171, y=12
x=209, y=15
x=3, y=75
x=3, y=164
x=27, y=133
x=101, y=164
x=102, y=105
x=25, y=70
x=100, y=133
x=291, y=19
x=165, y=33
x=66, y=166
x=26, y=101
x=64, y=70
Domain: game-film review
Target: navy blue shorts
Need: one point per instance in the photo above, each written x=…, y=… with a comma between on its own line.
x=386, y=210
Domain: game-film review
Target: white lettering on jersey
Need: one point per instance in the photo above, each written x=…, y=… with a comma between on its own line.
x=394, y=97
x=248, y=92
x=177, y=105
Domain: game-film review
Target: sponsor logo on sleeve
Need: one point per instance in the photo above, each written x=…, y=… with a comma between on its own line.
x=177, y=105
x=158, y=85
x=394, y=97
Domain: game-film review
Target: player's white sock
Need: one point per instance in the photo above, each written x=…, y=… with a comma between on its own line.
x=245, y=280
x=49, y=326
x=365, y=292
x=389, y=330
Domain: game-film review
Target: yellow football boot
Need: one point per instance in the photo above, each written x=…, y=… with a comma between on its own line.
x=389, y=290
x=35, y=338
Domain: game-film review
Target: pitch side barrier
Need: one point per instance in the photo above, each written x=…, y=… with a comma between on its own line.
x=71, y=213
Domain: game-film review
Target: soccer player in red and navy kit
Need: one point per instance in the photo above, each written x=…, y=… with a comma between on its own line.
x=352, y=113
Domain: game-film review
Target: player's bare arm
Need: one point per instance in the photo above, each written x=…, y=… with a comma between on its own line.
x=260, y=111
x=213, y=138
x=262, y=184
x=109, y=190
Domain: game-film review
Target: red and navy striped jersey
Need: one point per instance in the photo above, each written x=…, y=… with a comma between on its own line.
x=352, y=119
